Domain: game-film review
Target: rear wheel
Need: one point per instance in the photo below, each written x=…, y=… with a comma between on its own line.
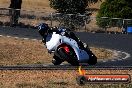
x=62, y=54
x=70, y=56
x=56, y=60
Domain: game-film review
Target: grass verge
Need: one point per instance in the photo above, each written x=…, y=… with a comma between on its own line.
x=54, y=79
x=18, y=51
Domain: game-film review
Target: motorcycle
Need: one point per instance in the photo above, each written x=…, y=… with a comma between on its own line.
x=66, y=46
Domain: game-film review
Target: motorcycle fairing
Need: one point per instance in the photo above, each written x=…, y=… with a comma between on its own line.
x=52, y=41
x=82, y=55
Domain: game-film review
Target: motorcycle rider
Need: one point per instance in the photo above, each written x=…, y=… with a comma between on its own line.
x=44, y=29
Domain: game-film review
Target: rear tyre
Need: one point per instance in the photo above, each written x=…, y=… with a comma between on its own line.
x=56, y=60
x=62, y=54
x=71, y=59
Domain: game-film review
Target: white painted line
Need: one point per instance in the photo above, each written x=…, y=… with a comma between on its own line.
x=44, y=65
x=25, y=38
x=127, y=55
x=21, y=38
x=8, y=36
x=117, y=55
x=16, y=37
x=34, y=39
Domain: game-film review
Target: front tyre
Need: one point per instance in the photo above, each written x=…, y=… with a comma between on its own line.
x=92, y=59
x=73, y=62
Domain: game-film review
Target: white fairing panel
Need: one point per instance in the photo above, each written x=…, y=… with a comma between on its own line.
x=69, y=41
x=52, y=41
x=82, y=55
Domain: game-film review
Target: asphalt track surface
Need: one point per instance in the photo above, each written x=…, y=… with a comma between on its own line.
x=119, y=42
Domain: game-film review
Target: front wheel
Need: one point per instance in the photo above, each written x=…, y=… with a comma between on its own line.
x=73, y=61
x=92, y=59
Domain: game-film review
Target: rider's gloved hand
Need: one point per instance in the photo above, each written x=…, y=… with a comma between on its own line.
x=85, y=45
x=63, y=33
